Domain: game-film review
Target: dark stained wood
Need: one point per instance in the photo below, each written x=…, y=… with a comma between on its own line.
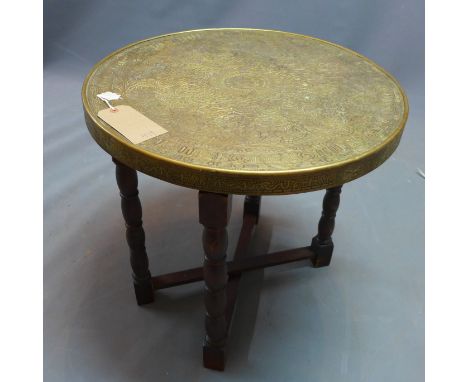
x=252, y=206
x=222, y=278
x=127, y=180
x=214, y=211
x=322, y=243
x=235, y=267
x=173, y=279
x=271, y=259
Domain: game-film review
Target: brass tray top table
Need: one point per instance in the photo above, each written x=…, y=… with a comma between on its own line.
x=249, y=112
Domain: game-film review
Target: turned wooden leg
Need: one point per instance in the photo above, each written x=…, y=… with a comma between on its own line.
x=214, y=211
x=127, y=181
x=322, y=244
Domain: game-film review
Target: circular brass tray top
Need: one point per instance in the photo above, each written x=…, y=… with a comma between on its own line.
x=249, y=111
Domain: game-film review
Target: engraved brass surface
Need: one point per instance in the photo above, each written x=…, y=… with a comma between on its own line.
x=249, y=111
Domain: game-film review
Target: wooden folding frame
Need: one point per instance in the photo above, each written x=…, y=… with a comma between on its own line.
x=221, y=277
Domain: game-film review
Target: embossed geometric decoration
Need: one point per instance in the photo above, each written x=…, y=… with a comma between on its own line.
x=250, y=111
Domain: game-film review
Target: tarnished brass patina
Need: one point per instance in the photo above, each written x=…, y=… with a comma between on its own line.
x=250, y=111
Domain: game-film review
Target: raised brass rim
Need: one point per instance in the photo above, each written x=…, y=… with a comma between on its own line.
x=96, y=126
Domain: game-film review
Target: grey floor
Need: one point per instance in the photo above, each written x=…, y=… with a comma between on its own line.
x=361, y=319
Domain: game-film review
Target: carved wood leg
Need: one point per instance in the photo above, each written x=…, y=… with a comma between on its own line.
x=214, y=212
x=322, y=244
x=252, y=206
x=127, y=181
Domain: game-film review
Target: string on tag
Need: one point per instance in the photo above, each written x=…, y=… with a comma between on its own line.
x=109, y=96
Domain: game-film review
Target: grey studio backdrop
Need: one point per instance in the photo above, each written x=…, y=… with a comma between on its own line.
x=361, y=319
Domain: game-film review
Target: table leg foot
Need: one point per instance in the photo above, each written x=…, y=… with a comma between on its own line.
x=323, y=253
x=214, y=358
x=144, y=292
x=322, y=243
x=127, y=180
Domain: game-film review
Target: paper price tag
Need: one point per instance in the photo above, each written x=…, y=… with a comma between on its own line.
x=131, y=123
